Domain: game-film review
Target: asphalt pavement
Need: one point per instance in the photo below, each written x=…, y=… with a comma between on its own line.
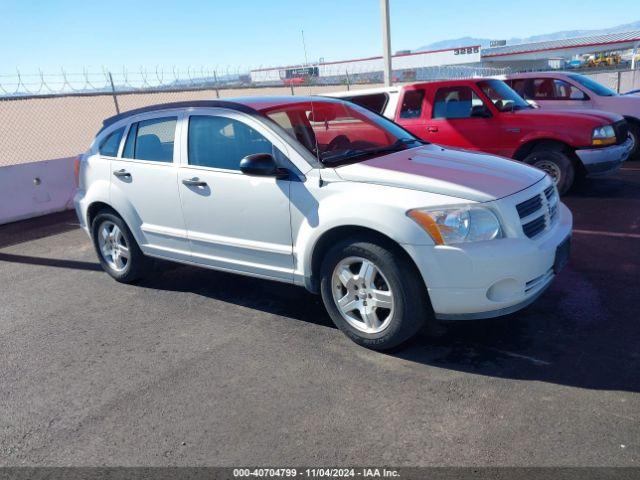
x=196, y=367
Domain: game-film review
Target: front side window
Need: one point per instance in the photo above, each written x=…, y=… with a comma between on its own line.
x=151, y=140
x=503, y=97
x=412, y=104
x=221, y=142
x=566, y=91
x=456, y=102
x=109, y=146
x=339, y=132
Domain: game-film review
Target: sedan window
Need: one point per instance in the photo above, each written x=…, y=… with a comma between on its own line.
x=151, y=140
x=221, y=142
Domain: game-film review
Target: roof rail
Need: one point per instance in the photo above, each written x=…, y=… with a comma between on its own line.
x=188, y=104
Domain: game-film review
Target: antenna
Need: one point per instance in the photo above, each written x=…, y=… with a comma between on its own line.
x=306, y=64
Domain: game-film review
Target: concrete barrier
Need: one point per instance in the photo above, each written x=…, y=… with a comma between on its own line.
x=38, y=188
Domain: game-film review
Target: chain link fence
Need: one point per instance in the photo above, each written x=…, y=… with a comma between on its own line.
x=47, y=116
x=51, y=116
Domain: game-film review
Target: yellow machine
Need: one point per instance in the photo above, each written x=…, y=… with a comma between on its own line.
x=604, y=60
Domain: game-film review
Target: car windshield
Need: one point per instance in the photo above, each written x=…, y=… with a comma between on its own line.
x=594, y=86
x=503, y=96
x=338, y=133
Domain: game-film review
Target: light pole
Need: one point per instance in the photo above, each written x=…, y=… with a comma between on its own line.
x=386, y=42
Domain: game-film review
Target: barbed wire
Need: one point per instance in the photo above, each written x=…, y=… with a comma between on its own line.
x=160, y=78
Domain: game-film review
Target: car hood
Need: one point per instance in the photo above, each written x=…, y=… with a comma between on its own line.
x=623, y=104
x=597, y=116
x=446, y=171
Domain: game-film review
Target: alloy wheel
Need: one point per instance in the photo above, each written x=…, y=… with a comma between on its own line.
x=362, y=294
x=113, y=246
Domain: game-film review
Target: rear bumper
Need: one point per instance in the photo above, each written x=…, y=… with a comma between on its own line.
x=599, y=161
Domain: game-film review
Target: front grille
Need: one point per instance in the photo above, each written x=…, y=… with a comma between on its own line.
x=539, y=212
x=534, y=227
x=527, y=207
x=622, y=131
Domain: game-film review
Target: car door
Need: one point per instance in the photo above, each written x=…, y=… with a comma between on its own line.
x=144, y=187
x=458, y=117
x=234, y=221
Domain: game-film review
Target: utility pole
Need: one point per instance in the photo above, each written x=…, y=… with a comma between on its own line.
x=386, y=42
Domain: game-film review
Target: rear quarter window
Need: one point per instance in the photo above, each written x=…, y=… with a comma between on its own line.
x=109, y=146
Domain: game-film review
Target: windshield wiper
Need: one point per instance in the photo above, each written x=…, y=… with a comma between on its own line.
x=352, y=154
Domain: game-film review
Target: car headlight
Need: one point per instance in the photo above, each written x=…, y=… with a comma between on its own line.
x=603, y=135
x=447, y=226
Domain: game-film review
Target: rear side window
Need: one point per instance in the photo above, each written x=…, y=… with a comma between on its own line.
x=221, y=142
x=374, y=102
x=151, y=140
x=412, y=104
x=455, y=102
x=109, y=146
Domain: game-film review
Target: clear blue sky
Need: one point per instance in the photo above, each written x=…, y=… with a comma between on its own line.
x=72, y=33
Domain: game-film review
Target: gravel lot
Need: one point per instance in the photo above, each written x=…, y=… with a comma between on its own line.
x=199, y=367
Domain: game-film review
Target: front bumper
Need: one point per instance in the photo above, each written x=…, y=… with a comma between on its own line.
x=598, y=161
x=490, y=279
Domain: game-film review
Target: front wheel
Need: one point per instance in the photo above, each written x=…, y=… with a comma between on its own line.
x=373, y=294
x=557, y=165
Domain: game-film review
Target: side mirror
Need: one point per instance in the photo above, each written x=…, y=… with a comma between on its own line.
x=262, y=165
x=480, y=111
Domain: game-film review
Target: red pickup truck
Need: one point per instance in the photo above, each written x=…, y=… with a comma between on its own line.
x=487, y=115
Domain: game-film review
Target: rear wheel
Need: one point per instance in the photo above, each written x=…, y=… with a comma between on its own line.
x=117, y=250
x=557, y=165
x=373, y=294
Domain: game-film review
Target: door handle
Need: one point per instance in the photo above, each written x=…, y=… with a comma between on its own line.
x=121, y=173
x=432, y=128
x=194, y=182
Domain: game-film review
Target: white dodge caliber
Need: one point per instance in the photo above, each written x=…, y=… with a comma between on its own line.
x=391, y=231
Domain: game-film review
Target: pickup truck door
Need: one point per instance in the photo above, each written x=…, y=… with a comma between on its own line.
x=234, y=221
x=458, y=117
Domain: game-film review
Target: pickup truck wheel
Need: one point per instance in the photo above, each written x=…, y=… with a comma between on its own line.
x=375, y=296
x=557, y=165
x=117, y=250
x=634, y=134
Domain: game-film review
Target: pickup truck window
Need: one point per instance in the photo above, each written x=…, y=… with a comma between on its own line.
x=503, y=97
x=151, y=140
x=412, y=104
x=221, y=142
x=455, y=102
x=376, y=102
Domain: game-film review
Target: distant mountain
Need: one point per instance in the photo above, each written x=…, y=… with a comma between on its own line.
x=484, y=42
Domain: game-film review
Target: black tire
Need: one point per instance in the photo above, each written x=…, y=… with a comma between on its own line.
x=136, y=264
x=564, y=172
x=411, y=306
x=634, y=132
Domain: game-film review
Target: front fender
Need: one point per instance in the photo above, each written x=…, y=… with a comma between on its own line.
x=351, y=204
